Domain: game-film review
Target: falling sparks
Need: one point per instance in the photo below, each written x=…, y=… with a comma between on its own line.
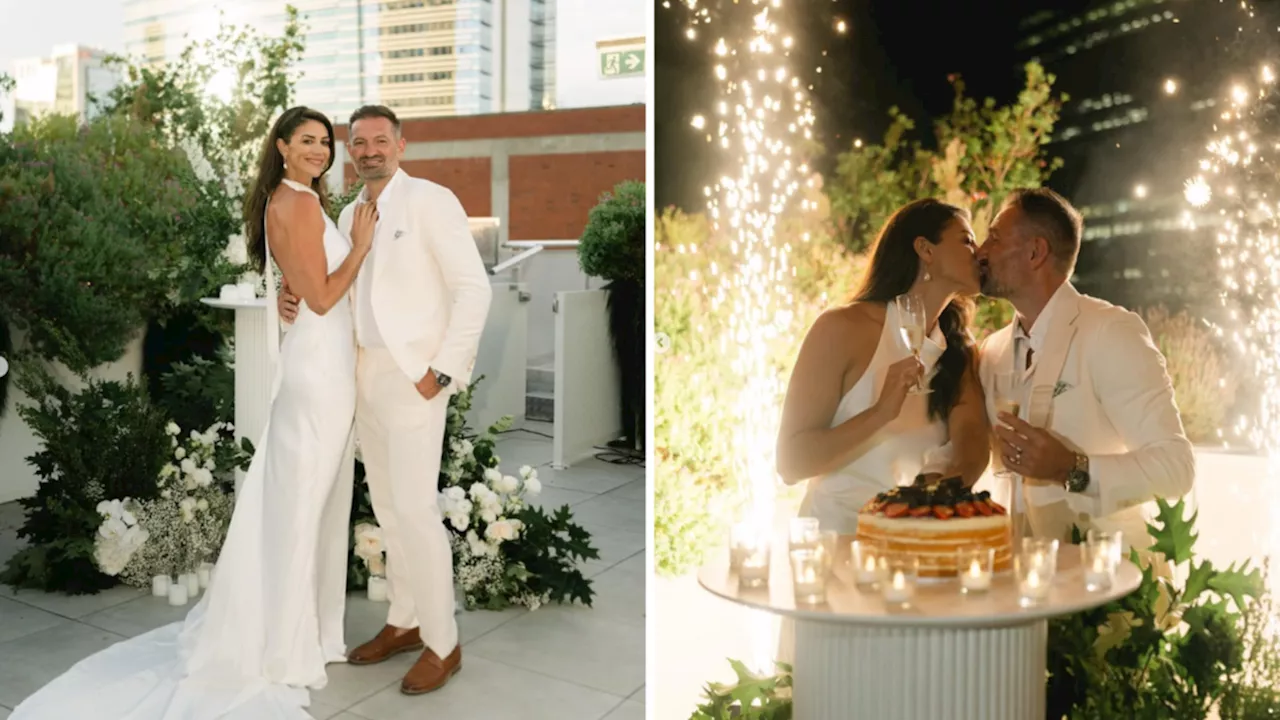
x=763, y=113
x=1235, y=192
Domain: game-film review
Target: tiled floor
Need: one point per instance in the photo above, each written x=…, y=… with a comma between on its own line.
x=560, y=662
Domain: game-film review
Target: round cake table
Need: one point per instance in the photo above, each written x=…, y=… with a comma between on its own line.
x=948, y=656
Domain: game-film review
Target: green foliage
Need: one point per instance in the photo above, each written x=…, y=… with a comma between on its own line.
x=612, y=245
x=224, y=135
x=338, y=202
x=1170, y=648
x=549, y=549
x=754, y=697
x=199, y=392
x=106, y=442
x=1203, y=384
x=983, y=151
x=92, y=227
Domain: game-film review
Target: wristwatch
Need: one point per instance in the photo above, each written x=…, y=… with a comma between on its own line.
x=441, y=379
x=1078, y=477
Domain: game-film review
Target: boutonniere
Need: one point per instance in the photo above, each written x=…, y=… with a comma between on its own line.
x=1061, y=387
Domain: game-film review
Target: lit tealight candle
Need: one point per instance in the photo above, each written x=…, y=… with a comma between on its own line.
x=377, y=589
x=193, y=584
x=976, y=578
x=178, y=594
x=1097, y=576
x=899, y=590
x=160, y=586
x=204, y=574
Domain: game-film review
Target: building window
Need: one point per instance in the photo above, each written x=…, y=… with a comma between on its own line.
x=417, y=28
x=443, y=50
x=410, y=4
x=435, y=100
x=410, y=52
x=403, y=78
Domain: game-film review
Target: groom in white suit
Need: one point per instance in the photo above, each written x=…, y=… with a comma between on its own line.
x=421, y=300
x=1099, y=437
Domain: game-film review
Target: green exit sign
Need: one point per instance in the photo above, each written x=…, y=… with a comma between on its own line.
x=621, y=62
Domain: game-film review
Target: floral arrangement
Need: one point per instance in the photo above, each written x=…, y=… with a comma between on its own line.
x=187, y=524
x=370, y=547
x=505, y=551
x=119, y=536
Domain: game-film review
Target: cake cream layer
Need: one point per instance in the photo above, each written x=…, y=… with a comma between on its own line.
x=935, y=541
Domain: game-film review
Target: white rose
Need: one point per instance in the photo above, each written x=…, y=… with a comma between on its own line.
x=189, y=483
x=525, y=471
x=166, y=494
x=455, y=493
x=465, y=506
x=500, y=530
x=466, y=448
x=369, y=540
x=204, y=478
x=210, y=464
x=180, y=453
x=509, y=484
x=202, y=504
x=195, y=435
x=460, y=521
x=488, y=515
x=104, y=508
x=188, y=466
x=169, y=470
x=492, y=476
x=172, y=428
x=532, y=486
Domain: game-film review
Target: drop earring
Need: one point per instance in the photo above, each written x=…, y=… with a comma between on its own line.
x=926, y=276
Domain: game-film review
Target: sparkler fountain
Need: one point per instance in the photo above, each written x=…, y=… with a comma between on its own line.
x=761, y=117
x=1237, y=191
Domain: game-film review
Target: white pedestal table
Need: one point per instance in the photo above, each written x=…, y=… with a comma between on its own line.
x=947, y=657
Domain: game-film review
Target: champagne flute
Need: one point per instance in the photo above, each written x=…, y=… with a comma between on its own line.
x=1007, y=392
x=911, y=320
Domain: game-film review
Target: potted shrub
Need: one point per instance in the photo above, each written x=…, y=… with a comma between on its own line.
x=612, y=248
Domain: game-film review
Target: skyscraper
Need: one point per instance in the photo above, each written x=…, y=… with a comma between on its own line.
x=421, y=57
x=64, y=82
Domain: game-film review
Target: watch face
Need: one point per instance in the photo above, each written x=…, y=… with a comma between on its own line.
x=1077, y=481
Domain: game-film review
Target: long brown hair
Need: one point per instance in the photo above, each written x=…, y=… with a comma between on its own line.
x=271, y=172
x=893, y=270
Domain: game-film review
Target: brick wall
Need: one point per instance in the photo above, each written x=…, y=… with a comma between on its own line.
x=548, y=194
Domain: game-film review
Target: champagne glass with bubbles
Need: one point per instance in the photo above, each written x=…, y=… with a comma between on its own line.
x=1007, y=392
x=911, y=320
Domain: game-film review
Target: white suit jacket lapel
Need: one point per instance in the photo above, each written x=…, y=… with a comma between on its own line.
x=1052, y=358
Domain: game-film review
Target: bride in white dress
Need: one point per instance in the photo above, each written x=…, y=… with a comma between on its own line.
x=850, y=424
x=273, y=616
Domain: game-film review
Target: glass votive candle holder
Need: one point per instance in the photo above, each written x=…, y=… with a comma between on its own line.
x=1101, y=558
x=899, y=573
x=864, y=562
x=975, y=565
x=740, y=538
x=1034, y=572
x=1045, y=549
x=827, y=540
x=753, y=570
x=1114, y=542
x=805, y=533
x=809, y=576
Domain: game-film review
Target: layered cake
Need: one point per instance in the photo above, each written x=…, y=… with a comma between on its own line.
x=933, y=521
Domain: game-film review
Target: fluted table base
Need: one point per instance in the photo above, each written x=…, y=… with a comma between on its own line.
x=851, y=672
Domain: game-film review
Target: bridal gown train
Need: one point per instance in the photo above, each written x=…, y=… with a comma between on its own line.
x=272, y=617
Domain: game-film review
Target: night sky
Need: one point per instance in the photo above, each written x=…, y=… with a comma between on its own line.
x=896, y=52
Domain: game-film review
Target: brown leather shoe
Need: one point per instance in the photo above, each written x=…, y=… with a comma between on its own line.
x=431, y=673
x=385, y=645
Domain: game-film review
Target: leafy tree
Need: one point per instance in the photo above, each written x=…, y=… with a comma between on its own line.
x=981, y=152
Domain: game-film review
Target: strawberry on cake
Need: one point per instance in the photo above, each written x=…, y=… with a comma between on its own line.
x=933, y=521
